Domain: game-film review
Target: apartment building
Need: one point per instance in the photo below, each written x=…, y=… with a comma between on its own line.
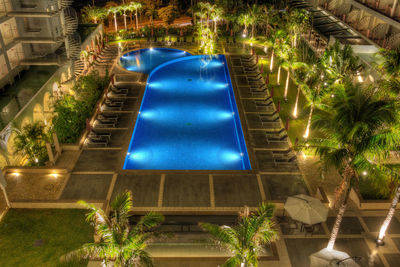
x=36, y=32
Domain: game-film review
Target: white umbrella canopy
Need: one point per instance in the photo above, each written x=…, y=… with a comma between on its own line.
x=306, y=209
x=330, y=257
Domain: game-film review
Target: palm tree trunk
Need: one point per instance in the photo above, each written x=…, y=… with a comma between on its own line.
x=390, y=214
x=137, y=23
x=287, y=84
x=296, y=103
x=125, y=19
x=339, y=217
x=307, y=133
x=278, y=78
x=115, y=22
x=271, y=66
x=252, y=30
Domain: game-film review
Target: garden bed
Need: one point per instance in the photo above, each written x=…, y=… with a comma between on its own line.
x=40, y=237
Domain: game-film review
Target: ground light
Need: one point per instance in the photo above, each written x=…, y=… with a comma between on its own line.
x=286, y=85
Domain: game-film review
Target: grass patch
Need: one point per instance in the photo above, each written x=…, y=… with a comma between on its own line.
x=61, y=231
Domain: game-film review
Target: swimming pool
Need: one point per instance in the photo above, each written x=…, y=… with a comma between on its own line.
x=145, y=60
x=188, y=118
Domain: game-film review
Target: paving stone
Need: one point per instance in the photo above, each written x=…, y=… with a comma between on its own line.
x=236, y=191
x=279, y=187
x=396, y=241
x=186, y=190
x=374, y=224
x=98, y=160
x=87, y=186
x=299, y=249
x=349, y=225
x=144, y=188
x=393, y=259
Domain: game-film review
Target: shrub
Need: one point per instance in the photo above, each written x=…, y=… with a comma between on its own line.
x=72, y=110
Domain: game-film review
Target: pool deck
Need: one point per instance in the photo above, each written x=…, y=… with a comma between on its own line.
x=273, y=176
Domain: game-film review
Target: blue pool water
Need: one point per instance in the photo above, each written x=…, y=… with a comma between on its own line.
x=145, y=60
x=188, y=119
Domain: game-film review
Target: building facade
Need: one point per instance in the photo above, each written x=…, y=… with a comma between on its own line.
x=36, y=32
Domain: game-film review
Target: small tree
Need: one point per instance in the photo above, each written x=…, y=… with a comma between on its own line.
x=30, y=142
x=121, y=243
x=247, y=239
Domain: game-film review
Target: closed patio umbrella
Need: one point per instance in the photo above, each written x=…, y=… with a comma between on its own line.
x=306, y=209
x=330, y=257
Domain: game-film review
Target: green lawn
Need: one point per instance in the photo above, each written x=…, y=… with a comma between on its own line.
x=60, y=230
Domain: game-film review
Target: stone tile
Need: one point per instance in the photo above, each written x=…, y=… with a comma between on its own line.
x=186, y=190
x=87, y=186
x=349, y=225
x=144, y=188
x=300, y=249
x=236, y=190
x=358, y=247
x=279, y=187
x=374, y=224
x=119, y=138
x=396, y=241
x=98, y=160
x=393, y=259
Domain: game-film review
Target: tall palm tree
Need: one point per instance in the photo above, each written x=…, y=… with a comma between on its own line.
x=244, y=19
x=245, y=240
x=93, y=13
x=298, y=22
x=256, y=16
x=395, y=175
x=313, y=88
x=356, y=127
x=217, y=15
x=135, y=6
x=114, y=10
x=121, y=243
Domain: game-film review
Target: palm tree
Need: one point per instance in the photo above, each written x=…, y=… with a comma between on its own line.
x=30, y=142
x=245, y=240
x=120, y=242
x=256, y=16
x=244, y=19
x=124, y=8
x=298, y=22
x=216, y=15
x=135, y=6
x=340, y=63
x=395, y=175
x=356, y=127
x=313, y=88
x=93, y=13
x=114, y=10
x=391, y=62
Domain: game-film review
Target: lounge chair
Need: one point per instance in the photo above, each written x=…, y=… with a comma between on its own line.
x=112, y=106
x=98, y=142
x=109, y=116
x=104, y=123
x=118, y=90
x=100, y=134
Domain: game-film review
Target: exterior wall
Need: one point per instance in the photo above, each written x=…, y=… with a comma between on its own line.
x=40, y=106
x=379, y=21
